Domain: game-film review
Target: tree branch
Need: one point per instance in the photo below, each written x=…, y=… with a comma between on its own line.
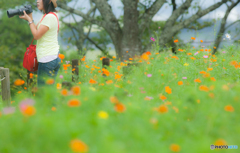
x=146, y=18
x=173, y=18
x=198, y=15
x=77, y=12
x=222, y=28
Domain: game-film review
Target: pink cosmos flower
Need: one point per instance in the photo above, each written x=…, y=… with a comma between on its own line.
x=196, y=53
x=26, y=102
x=184, y=77
x=61, y=76
x=149, y=75
x=205, y=56
x=152, y=39
x=8, y=110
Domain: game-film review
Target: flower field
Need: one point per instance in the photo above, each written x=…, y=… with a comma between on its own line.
x=170, y=103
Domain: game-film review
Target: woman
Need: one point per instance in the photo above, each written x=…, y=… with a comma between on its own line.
x=46, y=34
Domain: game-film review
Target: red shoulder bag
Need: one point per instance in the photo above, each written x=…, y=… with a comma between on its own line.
x=30, y=57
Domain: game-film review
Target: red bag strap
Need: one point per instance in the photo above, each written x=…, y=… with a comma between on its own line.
x=44, y=17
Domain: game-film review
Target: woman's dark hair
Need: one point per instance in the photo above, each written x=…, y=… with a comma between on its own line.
x=48, y=7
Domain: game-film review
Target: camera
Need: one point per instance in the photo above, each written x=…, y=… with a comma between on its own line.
x=27, y=9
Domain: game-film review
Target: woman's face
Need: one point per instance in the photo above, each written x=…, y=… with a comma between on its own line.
x=40, y=5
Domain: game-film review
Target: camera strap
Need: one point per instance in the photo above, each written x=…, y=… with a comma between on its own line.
x=44, y=17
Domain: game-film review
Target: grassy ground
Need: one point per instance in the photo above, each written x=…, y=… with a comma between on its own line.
x=128, y=114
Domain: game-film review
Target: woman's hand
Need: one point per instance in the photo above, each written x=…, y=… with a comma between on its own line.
x=27, y=17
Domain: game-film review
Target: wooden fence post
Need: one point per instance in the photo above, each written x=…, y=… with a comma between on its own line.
x=5, y=83
x=75, y=70
x=105, y=62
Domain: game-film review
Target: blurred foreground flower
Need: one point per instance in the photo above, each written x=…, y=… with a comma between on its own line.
x=175, y=148
x=76, y=90
x=8, y=110
x=74, y=103
x=120, y=108
x=103, y=115
x=19, y=82
x=26, y=107
x=229, y=108
x=78, y=146
x=162, y=109
x=28, y=110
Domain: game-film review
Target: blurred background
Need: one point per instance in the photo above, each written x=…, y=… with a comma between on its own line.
x=111, y=27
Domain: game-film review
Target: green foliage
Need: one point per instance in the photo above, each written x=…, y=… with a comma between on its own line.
x=15, y=36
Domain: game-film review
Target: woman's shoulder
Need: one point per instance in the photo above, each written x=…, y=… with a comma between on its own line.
x=52, y=14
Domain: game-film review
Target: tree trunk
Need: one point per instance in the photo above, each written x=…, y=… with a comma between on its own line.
x=131, y=41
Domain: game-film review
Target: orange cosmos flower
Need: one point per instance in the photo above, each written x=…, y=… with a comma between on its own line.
x=181, y=50
x=119, y=108
x=83, y=59
x=92, y=81
x=202, y=72
x=54, y=109
x=193, y=38
x=78, y=146
x=118, y=76
x=213, y=79
x=193, y=58
x=114, y=100
x=197, y=80
x=209, y=69
x=109, y=82
x=145, y=56
x=64, y=92
x=168, y=90
x=162, y=109
x=105, y=71
x=206, y=75
x=74, y=103
x=19, y=82
x=175, y=148
x=162, y=97
x=204, y=88
x=61, y=56
x=130, y=59
x=148, y=53
x=175, y=57
x=31, y=75
x=180, y=83
x=201, y=41
x=28, y=111
x=175, y=41
x=76, y=90
x=50, y=81
x=229, y=108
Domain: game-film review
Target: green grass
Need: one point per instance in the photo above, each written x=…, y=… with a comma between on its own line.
x=194, y=127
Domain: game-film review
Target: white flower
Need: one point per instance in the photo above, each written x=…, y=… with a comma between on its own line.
x=228, y=36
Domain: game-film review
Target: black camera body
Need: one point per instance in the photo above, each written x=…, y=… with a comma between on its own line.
x=27, y=9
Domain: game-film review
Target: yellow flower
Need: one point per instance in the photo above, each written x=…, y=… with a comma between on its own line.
x=186, y=64
x=103, y=115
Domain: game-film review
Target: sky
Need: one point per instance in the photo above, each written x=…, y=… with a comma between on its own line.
x=163, y=14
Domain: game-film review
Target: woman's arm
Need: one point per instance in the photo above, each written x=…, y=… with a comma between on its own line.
x=37, y=33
